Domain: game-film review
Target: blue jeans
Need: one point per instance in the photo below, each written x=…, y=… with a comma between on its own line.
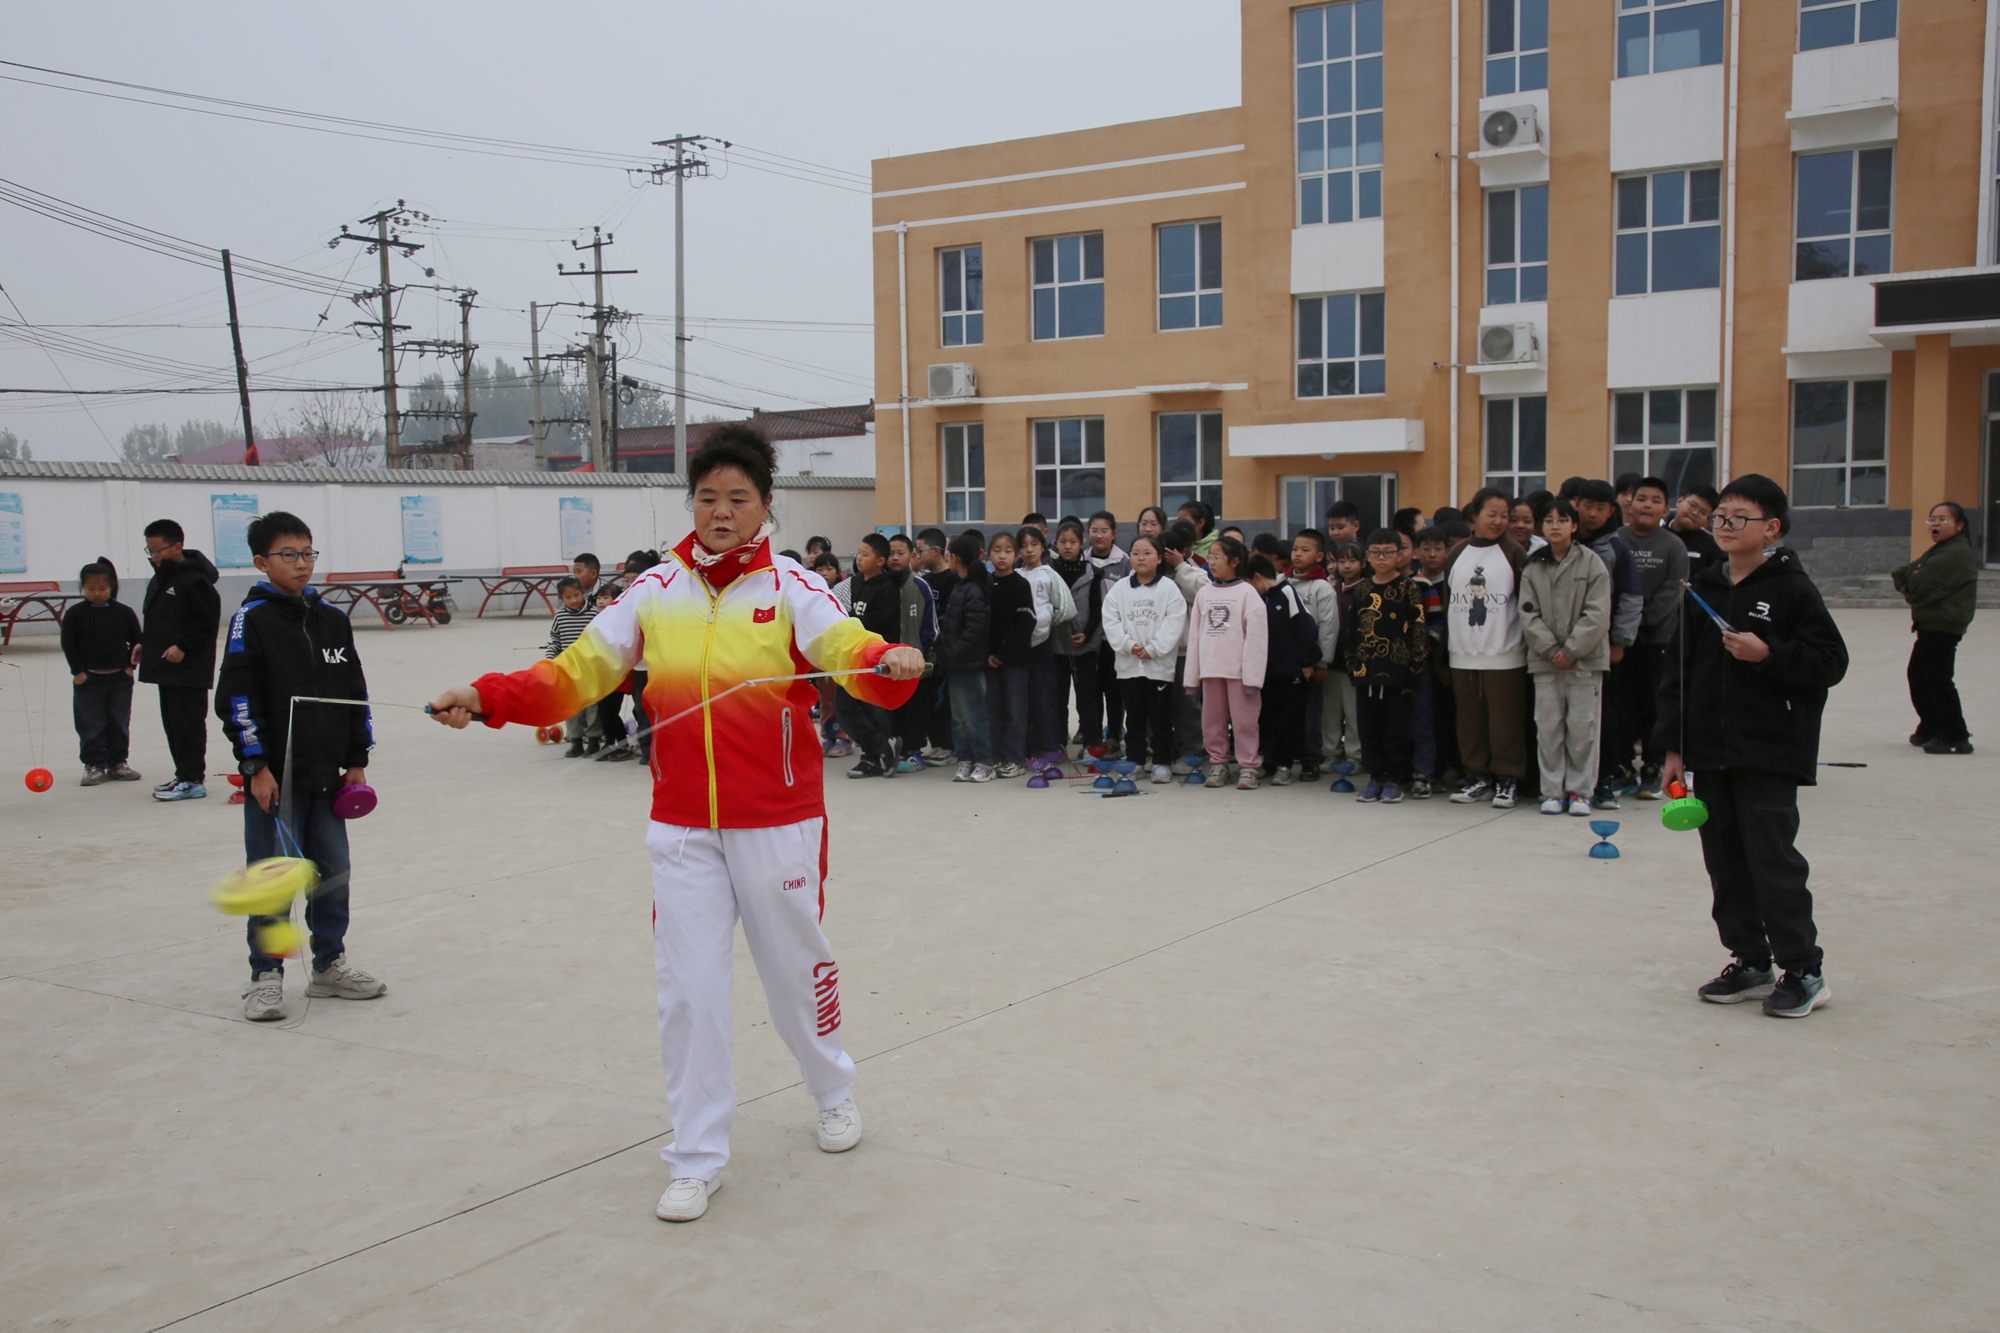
x=1007, y=705
x=323, y=838
x=102, y=706
x=971, y=726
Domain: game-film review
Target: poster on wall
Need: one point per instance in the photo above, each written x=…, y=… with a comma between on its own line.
x=13, y=535
x=423, y=530
x=579, y=526
x=232, y=515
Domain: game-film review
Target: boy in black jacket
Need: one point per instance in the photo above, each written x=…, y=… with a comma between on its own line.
x=1740, y=707
x=1387, y=647
x=286, y=642
x=1293, y=649
x=178, y=653
x=100, y=641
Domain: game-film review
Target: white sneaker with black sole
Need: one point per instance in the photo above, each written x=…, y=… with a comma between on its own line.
x=840, y=1127
x=686, y=1198
x=264, y=997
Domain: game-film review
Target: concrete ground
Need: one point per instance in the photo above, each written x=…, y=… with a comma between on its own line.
x=1204, y=1059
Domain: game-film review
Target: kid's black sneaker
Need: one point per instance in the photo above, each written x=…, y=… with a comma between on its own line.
x=1797, y=994
x=1739, y=982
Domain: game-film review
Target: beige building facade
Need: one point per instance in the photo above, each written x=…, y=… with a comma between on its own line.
x=1445, y=244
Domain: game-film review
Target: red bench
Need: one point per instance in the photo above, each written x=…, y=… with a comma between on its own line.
x=527, y=580
x=32, y=603
x=394, y=597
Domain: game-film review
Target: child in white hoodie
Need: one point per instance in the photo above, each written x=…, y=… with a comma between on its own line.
x=1145, y=617
x=1227, y=645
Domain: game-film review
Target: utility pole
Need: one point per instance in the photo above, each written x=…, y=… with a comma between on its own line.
x=685, y=164
x=461, y=349
x=242, y=367
x=601, y=315
x=540, y=431
x=381, y=243
x=614, y=408
x=465, y=367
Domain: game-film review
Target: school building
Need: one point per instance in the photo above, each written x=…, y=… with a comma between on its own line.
x=1451, y=243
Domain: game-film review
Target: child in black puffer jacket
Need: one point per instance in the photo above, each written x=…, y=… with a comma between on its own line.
x=964, y=643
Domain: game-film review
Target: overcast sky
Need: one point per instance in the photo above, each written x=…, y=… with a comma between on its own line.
x=835, y=85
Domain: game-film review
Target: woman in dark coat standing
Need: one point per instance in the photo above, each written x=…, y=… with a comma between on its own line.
x=1942, y=588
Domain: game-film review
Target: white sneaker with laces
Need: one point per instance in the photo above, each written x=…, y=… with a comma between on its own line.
x=686, y=1198
x=981, y=773
x=964, y=773
x=1579, y=805
x=343, y=981
x=1162, y=774
x=1553, y=806
x=264, y=997
x=840, y=1127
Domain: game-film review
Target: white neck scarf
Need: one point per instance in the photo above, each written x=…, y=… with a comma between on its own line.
x=706, y=559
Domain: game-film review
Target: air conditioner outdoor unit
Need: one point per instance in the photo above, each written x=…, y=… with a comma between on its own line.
x=954, y=379
x=1511, y=127
x=1508, y=344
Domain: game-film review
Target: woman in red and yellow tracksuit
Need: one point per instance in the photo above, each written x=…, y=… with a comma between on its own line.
x=739, y=817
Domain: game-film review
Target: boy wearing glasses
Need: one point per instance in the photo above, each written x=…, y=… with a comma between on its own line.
x=1742, y=687
x=285, y=642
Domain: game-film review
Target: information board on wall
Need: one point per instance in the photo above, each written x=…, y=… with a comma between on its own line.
x=231, y=515
x=579, y=525
x=13, y=535
x=423, y=530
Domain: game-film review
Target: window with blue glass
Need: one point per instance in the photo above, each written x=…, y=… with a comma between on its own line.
x=1669, y=232
x=1844, y=207
x=1517, y=245
x=1069, y=286
x=1339, y=101
x=1844, y=22
x=1655, y=36
x=1517, y=46
x=1341, y=345
x=962, y=289
x=1190, y=275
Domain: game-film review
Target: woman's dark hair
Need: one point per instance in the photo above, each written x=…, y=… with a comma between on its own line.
x=1013, y=542
x=966, y=547
x=1957, y=512
x=1235, y=550
x=100, y=568
x=1538, y=503
x=739, y=447
x=1558, y=505
x=1478, y=502
x=1204, y=515
x=1347, y=551
x=566, y=582
x=822, y=543
x=1031, y=533
x=1155, y=509
x=1158, y=545
x=1071, y=525
x=827, y=560
x=1405, y=520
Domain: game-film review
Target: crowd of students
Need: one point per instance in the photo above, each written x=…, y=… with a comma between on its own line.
x=1465, y=652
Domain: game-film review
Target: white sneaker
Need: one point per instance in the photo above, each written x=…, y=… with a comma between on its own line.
x=1553, y=806
x=1282, y=777
x=341, y=981
x=1578, y=805
x=1162, y=774
x=840, y=1128
x=981, y=773
x=964, y=773
x=264, y=997
x=686, y=1198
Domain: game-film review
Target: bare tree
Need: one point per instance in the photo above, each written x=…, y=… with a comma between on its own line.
x=152, y=442
x=13, y=446
x=333, y=430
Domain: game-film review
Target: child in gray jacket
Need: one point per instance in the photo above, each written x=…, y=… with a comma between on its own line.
x=1566, y=623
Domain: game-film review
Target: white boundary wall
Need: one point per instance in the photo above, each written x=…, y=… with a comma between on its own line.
x=75, y=512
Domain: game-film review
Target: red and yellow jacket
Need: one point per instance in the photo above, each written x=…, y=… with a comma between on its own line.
x=751, y=760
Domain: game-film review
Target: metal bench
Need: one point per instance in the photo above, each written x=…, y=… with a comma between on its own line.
x=32, y=603
x=528, y=581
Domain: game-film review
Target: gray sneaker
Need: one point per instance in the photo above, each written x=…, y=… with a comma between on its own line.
x=342, y=981
x=180, y=791
x=1739, y=982
x=264, y=997
x=94, y=776
x=1797, y=994
x=122, y=772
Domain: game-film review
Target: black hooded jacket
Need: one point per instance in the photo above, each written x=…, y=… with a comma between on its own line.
x=280, y=647
x=182, y=611
x=1757, y=715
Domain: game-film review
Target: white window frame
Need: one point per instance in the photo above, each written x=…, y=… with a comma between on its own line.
x=1522, y=269
x=1060, y=289
x=1523, y=416
x=1875, y=468
x=1855, y=234
x=1206, y=483
x=1518, y=67
x=1368, y=366
x=1335, y=182
x=1820, y=14
x=1637, y=15
x=964, y=301
x=1203, y=300
x=1303, y=498
x=1090, y=452
x=1647, y=455
x=967, y=441
x=1651, y=230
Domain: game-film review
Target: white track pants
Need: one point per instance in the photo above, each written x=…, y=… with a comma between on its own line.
x=703, y=881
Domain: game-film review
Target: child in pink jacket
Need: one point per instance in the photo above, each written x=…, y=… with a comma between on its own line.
x=1226, y=647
